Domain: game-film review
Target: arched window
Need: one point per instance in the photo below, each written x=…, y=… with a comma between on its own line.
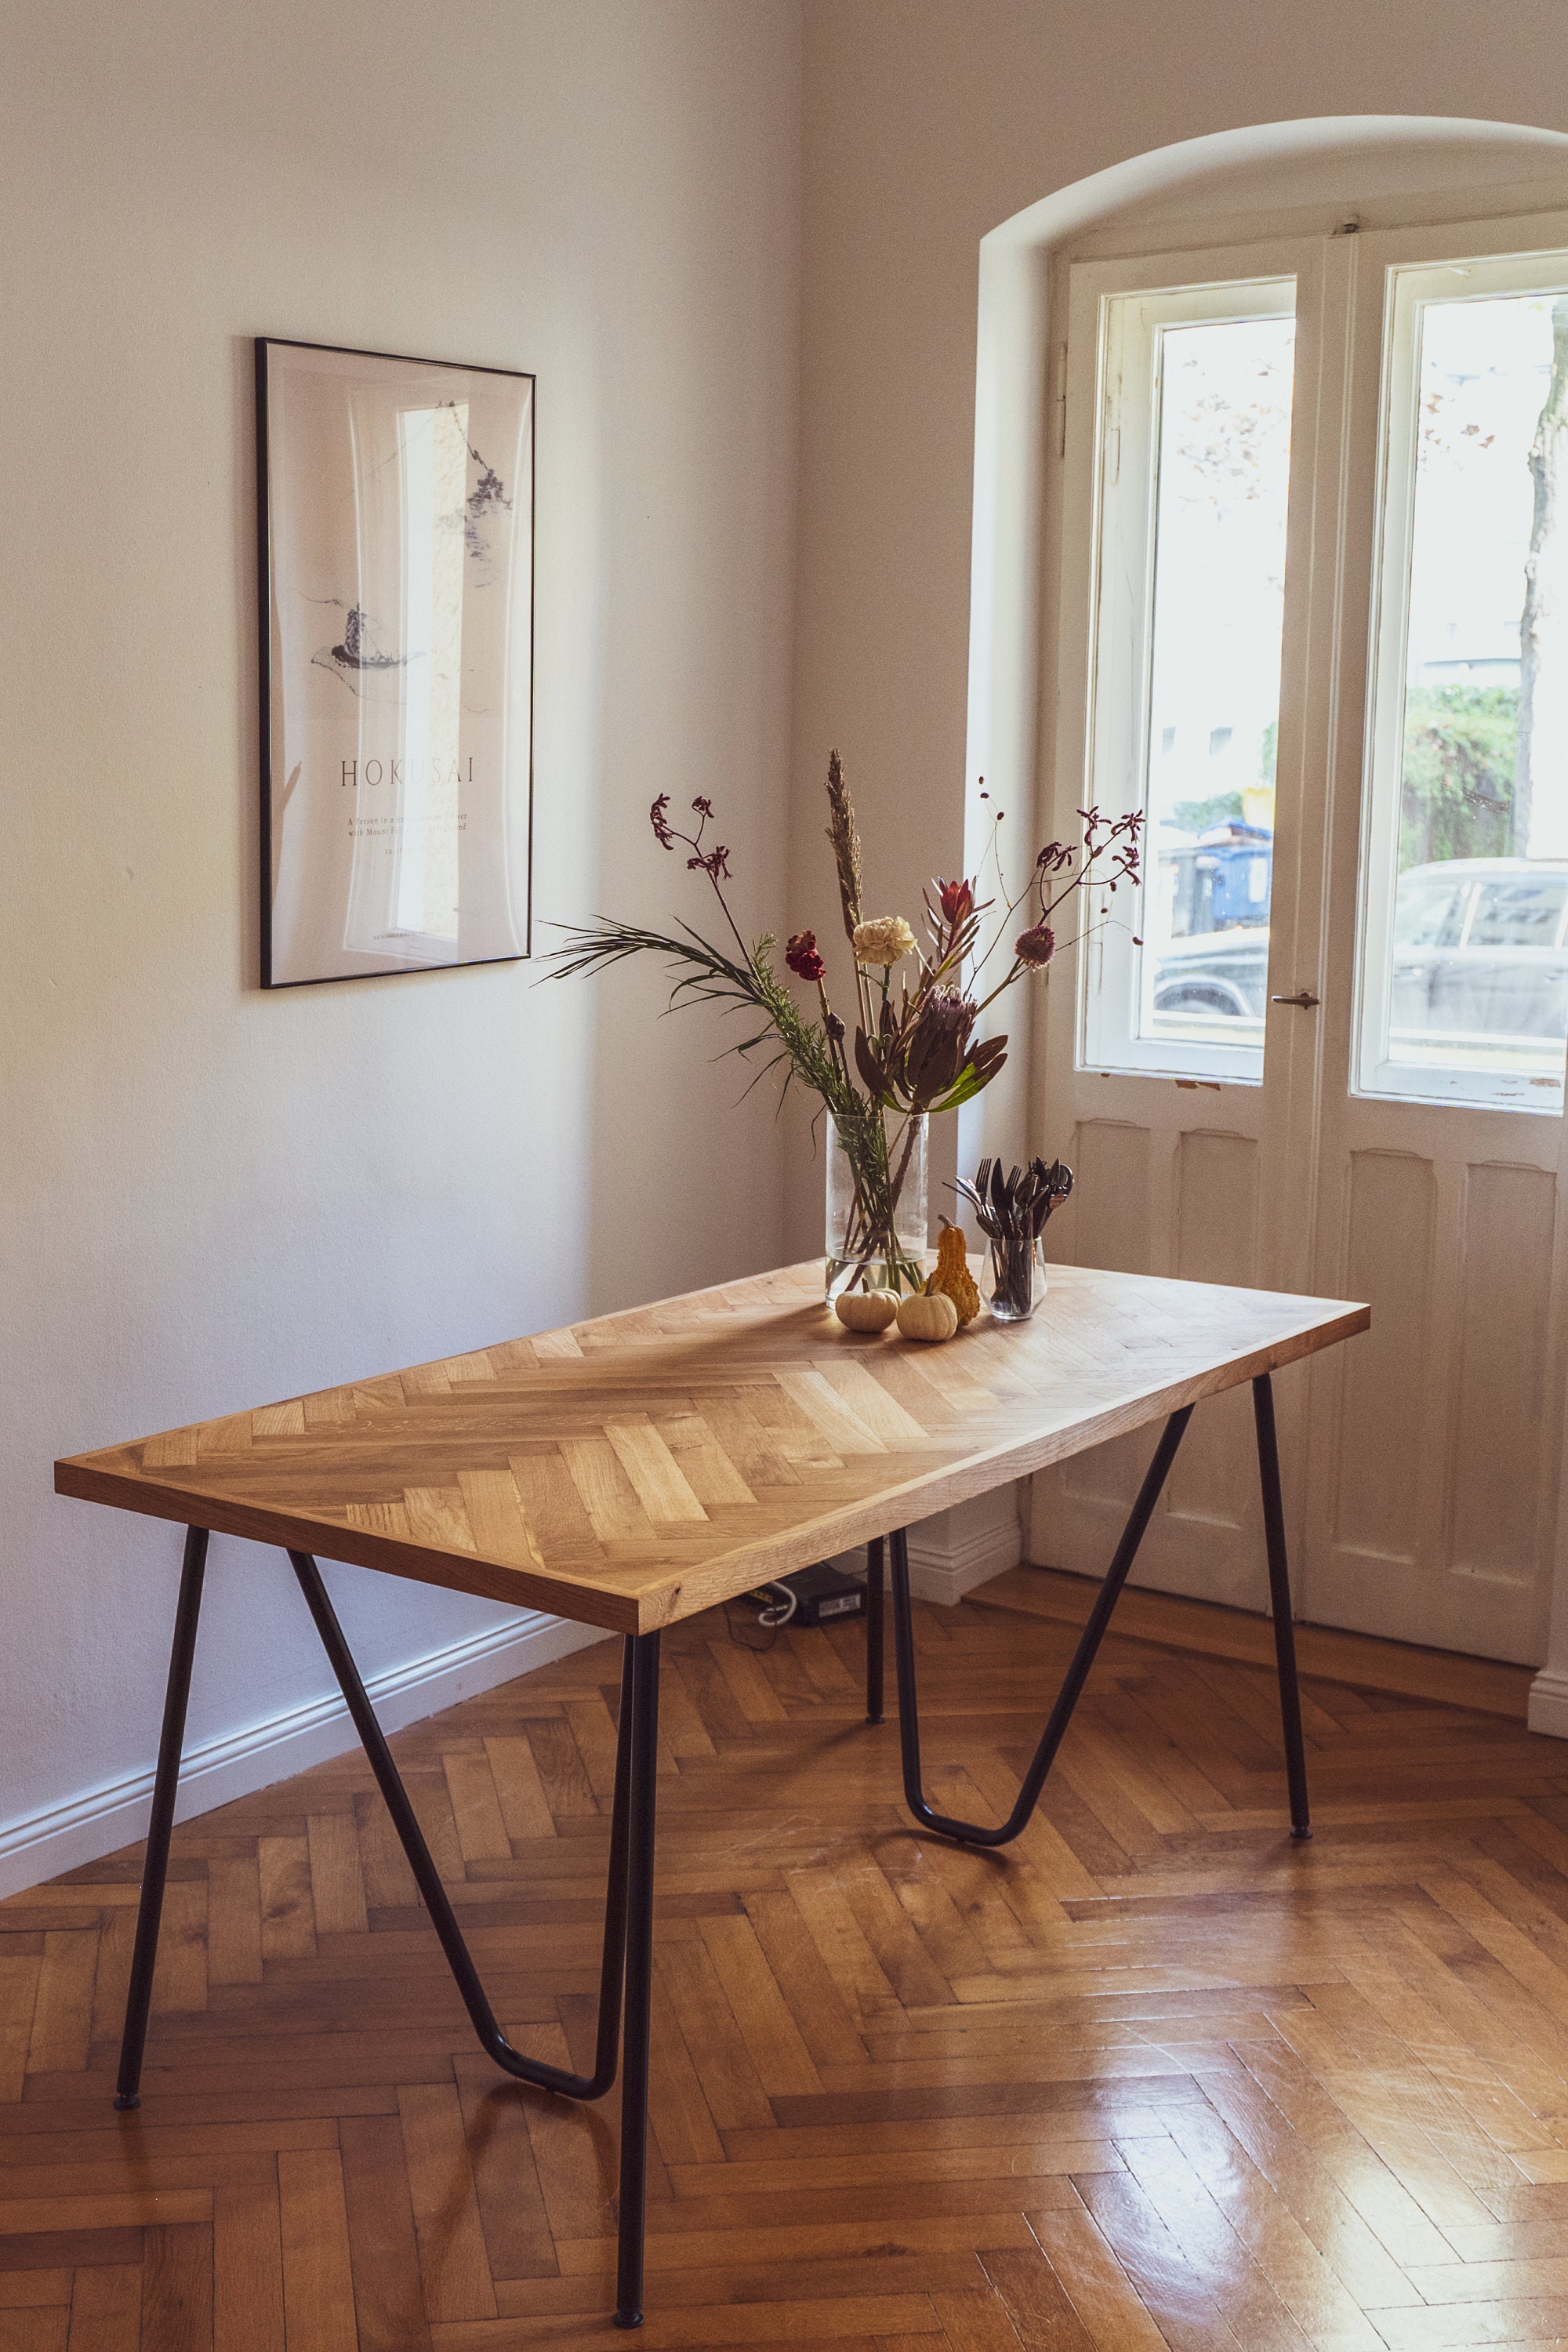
x=1299, y=538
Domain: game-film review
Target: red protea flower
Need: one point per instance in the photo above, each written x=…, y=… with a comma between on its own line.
x=802, y=957
x=957, y=901
x=1036, y=947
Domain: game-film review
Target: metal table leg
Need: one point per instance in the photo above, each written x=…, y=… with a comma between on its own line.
x=428, y=1879
x=623, y=1862
x=156, y=1869
x=644, y=1711
x=1280, y=1599
x=975, y=1832
x=874, y=1581
x=628, y=1955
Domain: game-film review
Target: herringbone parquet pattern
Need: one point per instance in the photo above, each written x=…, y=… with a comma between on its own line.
x=643, y=1466
x=1155, y=2077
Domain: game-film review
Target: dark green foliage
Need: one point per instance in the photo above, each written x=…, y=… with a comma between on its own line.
x=1457, y=798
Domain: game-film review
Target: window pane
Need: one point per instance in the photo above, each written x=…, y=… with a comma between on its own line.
x=1517, y=914
x=1221, y=485
x=1195, y=391
x=1431, y=912
x=1474, y=764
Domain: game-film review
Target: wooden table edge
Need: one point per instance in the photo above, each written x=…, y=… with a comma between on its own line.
x=686, y=1591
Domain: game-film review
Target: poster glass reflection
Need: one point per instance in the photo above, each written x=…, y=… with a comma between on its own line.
x=396, y=541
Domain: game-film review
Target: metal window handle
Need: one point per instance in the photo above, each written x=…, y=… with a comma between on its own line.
x=1303, y=997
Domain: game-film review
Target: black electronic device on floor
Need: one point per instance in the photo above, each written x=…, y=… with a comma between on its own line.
x=822, y=1595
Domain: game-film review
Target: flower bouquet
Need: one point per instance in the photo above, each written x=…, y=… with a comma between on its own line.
x=916, y=1050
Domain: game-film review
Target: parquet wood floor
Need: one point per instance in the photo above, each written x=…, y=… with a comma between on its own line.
x=1155, y=2077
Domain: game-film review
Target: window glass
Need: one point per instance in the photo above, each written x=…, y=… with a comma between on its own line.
x=1471, y=758
x=1518, y=914
x=1430, y=911
x=1192, y=491
x=1221, y=486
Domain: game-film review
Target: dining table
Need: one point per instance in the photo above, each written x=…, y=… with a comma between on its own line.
x=630, y=1470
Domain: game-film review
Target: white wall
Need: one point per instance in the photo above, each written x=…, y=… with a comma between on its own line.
x=210, y=1196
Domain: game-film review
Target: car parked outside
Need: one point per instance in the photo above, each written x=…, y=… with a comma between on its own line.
x=1479, y=953
x=1222, y=974
x=1481, y=962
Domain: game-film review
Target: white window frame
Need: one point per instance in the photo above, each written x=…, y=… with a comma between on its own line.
x=1406, y=270
x=1110, y=358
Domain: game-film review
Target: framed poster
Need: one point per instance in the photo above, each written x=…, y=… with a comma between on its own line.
x=396, y=554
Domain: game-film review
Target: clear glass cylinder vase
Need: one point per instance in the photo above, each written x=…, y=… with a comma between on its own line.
x=1015, y=1279
x=875, y=1234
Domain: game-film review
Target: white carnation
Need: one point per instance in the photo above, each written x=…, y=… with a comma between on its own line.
x=886, y=941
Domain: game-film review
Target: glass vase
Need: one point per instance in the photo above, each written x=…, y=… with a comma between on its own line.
x=876, y=1236
x=1014, y=1279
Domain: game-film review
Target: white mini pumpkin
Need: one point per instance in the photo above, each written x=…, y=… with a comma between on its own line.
x=866, y=1311
x=928, y=1315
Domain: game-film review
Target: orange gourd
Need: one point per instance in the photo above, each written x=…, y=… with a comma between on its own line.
x=952, y=1276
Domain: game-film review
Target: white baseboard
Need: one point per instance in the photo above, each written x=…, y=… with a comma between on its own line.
x=1549, y=1704
x=958, y=1549
x=85, y=1828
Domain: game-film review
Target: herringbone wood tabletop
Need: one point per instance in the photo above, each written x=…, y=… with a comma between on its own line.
x=634, y=1469
x=1156, y=2078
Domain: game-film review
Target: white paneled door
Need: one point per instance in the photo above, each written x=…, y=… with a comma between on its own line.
x=1309, y=536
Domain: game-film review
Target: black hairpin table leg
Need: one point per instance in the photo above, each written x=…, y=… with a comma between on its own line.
x=628, y=1955
x=165, y=1784
x=874, y=1581
x=1280, y=1600
x=975, y=1832
x=429, y=1878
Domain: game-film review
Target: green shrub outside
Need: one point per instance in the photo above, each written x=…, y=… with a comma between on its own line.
x=1457, y=795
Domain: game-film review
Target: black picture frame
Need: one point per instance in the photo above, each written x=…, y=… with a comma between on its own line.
x=449, y=535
